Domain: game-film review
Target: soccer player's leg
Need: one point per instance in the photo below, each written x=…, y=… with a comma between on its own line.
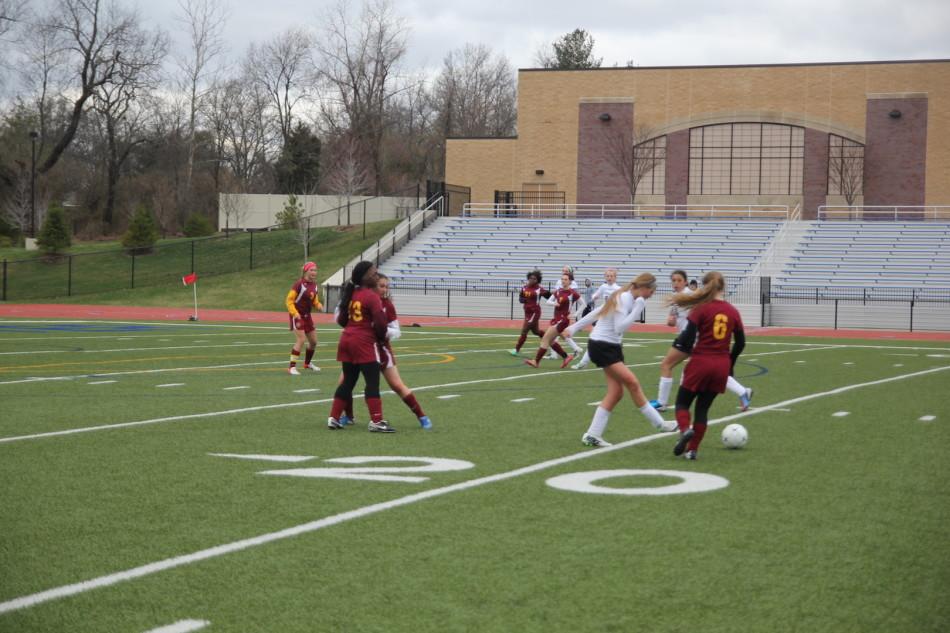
x=343, y=394
x=673, y=358
x=311, y=349
x=598, y=425
x=623, y=375
x=374, y=402
x=744, y=394
x=391, y=374
x=684, y=400
x=704, y=401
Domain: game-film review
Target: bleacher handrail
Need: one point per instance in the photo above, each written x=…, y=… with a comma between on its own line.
x=931, y=212
x=393, y=240
x=645, y=211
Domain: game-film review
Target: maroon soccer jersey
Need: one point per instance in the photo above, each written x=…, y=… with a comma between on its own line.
x=715, y=322
x=389, y=310
x=304, y=295
x=564, y=297
x=365, y=326
x=531, y=295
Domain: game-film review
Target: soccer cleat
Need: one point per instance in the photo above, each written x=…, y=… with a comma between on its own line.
x=659, y=406
x=681, y=443
x=669, y=426
x=334, y=424
x=514, y=352
x=532, y=363
x=745, y=400
x=552, y=355
x=691, y=455
x=346, y=420
x=592, y=440
x=311, y=367
x=425, y=422
x=581, y=364
x=293, y=371
x=567, y=360
x=380, y=427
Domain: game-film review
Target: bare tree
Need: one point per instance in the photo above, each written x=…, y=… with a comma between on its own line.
x=12, y=12
x=359, y=62
x=845, y=168
x=44, y=72
x=247, y=135
x=630, y=153
x=92, y=36
x=475, y=93
x=204, y=21
x=281, y=67
x=16, y=208
x=347, y=176
x=118, y=103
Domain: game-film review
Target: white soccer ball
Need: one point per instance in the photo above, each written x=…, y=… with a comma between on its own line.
x=735, y=436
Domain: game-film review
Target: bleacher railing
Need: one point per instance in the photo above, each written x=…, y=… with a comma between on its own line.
x=643, y=211
x=391, y=242
x=896, y=213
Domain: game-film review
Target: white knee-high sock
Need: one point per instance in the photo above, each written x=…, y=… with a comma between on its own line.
x=574, y=346
x=666, y=386
x=733, y=385
x=653, y=416
x=599, y=424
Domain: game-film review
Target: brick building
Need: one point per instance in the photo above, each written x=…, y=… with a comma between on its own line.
x=771, y=134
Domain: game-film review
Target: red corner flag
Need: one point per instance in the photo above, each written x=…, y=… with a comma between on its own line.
x=189, y=279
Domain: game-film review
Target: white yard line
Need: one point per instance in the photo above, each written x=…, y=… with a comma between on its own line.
x=305, y=528
x=171, y=384
x=101, y=382
x=927, y=418
x=840, y=414
x=133, y=372
x=522, y=399
x=182, y=626
x=236, y=388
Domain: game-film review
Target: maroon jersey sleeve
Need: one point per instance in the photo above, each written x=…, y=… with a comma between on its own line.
x=575, y=296
x=390, y=310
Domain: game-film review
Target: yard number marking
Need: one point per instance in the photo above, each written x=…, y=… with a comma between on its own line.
x=584, y=482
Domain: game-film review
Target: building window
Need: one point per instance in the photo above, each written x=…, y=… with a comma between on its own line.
x=845, y=168
x=746, y=159
x=649, y=158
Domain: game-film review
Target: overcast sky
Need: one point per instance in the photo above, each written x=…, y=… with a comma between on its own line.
x=648, y=32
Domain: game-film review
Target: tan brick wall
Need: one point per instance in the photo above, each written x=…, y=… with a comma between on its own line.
x=827, y=97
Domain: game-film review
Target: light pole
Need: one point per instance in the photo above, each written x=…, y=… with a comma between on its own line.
x=33, y=136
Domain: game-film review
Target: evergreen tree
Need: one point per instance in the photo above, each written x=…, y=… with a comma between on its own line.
x=572, y=51
x=54, y=237
x=298, y=167
x=142, y=233
x=198, y=225
x=291, y=215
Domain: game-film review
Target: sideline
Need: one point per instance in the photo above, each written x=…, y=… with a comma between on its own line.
x=305, y=528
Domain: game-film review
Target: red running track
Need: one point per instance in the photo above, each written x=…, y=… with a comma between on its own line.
x=130, y=313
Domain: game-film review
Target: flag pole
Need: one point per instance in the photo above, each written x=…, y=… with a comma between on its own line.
x=196, y=299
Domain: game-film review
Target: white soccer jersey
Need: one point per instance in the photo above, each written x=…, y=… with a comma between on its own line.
x=681, y=314
x=605, y=290
x=611, y=327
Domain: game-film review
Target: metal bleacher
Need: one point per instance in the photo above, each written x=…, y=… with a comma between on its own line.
x=505, y=249
x=880, y=256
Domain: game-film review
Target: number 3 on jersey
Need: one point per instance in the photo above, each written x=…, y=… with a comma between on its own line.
x=720, y=326
x=356, y=311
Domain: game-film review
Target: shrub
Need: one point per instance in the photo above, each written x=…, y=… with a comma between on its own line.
x=289, y=217
x=54, y=236
x=198, y=225
x=142, y=233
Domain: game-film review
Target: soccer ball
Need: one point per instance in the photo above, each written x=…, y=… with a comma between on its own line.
x=735, y=436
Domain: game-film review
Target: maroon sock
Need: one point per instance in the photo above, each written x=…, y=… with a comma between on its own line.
x=558, y=349
x=413, y=405
x=700, y=431
x=337, y=408
x=309, y=356
x=541, y=352
x=521, y=340
x=294, y=353
x=682, y=419
x=375, y=406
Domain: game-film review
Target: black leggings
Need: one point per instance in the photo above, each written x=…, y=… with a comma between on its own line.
x=351, y=374
x=704, y=400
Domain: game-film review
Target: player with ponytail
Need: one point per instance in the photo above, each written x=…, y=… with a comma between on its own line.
x=712, y=324
x=621, y=310
x=303, y=297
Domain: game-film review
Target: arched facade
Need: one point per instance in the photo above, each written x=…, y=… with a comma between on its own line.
x=724, y=135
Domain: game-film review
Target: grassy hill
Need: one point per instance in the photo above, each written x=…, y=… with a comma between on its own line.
x=226, y=279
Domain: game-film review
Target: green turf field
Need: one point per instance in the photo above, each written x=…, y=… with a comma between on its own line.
x=134, y=494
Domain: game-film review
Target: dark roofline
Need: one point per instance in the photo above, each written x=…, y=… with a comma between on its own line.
x=481, y=138
x=798, y=64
